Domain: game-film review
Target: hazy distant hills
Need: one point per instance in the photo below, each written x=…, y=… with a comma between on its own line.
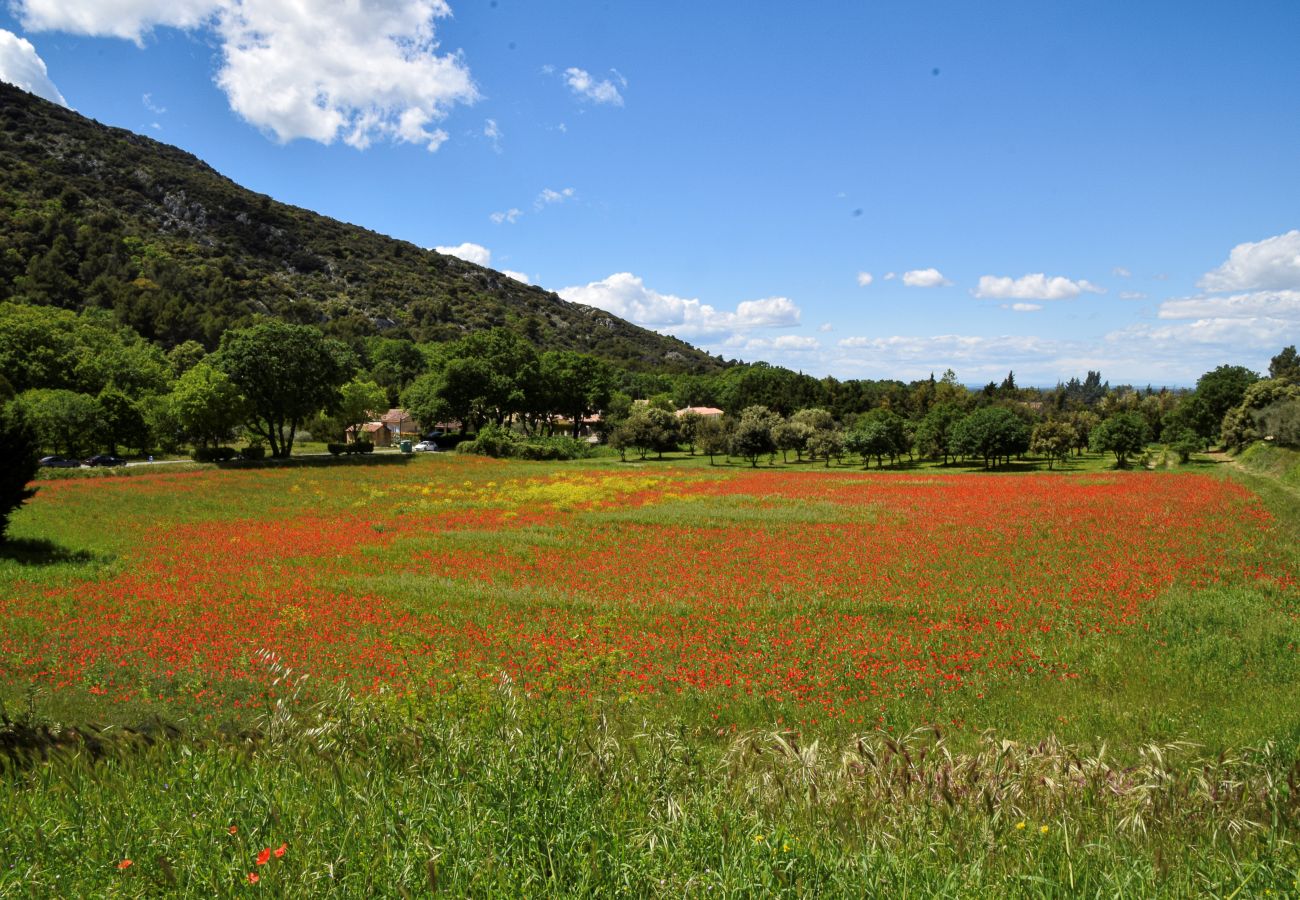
x=92, y=216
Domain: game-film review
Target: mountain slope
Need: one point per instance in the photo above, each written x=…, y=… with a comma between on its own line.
x=98, y=216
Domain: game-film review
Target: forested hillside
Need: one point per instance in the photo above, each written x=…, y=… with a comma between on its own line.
x=99, y=217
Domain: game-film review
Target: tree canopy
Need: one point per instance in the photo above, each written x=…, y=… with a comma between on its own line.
x=286, y=373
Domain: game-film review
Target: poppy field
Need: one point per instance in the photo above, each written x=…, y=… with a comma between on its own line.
x=712, y=673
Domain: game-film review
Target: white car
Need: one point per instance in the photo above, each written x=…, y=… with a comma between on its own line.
x=426, y=446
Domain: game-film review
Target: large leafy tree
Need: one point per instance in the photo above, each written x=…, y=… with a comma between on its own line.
x=574, y=384
x=64, y=421
x=934, y=431
x=359, y=399
x=992, y=434
x=1217, y=392
x=207, y=405
x=287, y=373
x=1124, y=434
x=18, y=455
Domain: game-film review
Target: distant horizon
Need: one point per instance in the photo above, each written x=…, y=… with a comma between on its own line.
x=1049, y=190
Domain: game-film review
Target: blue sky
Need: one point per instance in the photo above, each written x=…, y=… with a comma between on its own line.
x=855, y=189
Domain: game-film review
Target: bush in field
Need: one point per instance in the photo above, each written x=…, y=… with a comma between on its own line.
x=502, y=443
x=1184, y=442
x=213, y=454
x=18, y=455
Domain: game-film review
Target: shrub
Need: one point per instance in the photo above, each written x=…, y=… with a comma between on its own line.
x=504, y=444
x=336, y=449
x=253, y=451
x=213, y=454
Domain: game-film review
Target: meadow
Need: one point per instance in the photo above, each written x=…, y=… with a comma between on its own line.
x=479, y=677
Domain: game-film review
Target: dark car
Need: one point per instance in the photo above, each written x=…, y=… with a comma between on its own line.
x=104, y=459
x=60, y=462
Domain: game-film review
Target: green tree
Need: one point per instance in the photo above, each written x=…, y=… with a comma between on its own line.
x=1184, y=442
x=712, y=434
x=64, y=421
x=649, y=429
x=868, y=438
x=934, y=432
x=992, y=433
x=395, y=363
x=1123, y=434
x=1052, y=440
x=206, y=405
x=574, y=384
x=18, y=463
x=287, y=373
x=425, y=399
x=826, y=444
x=358, y=401
x=1285, y=366
x=752, y=436
x=791, y=435
x=1219, y=391
x=124, y=421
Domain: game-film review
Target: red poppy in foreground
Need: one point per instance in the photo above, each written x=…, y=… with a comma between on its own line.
x=264, y=857
x=125, y=864
x=253, y=878
x=279, y=851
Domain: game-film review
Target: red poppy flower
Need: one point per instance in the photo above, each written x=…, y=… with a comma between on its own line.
x=125, y=864
x=264, y=857
x=279, y=851
x=253, y=878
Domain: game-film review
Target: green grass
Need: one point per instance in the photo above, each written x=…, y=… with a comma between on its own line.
x=1169, y=768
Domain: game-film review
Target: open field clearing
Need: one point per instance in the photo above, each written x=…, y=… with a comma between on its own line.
x=668, y=679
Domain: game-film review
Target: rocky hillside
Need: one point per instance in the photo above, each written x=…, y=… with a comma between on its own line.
x=92, y=216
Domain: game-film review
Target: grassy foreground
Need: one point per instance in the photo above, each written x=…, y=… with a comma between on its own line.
x=518, y=679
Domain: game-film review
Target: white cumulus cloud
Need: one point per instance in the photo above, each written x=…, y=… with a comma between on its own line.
x=1036, y=286
x=509, y=216
x=1022, y=307
x=626, y=295
x=127, y=19
x=864, y=279
x=475, y=253
x=22, y=67
x=517, y=276
x=924, y=278
x=584, y=85
x=1270, y=264
x=356, y=71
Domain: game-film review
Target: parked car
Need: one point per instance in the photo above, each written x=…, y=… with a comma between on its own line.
x=427, y=447
x=60, y=462
x=104, y=459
